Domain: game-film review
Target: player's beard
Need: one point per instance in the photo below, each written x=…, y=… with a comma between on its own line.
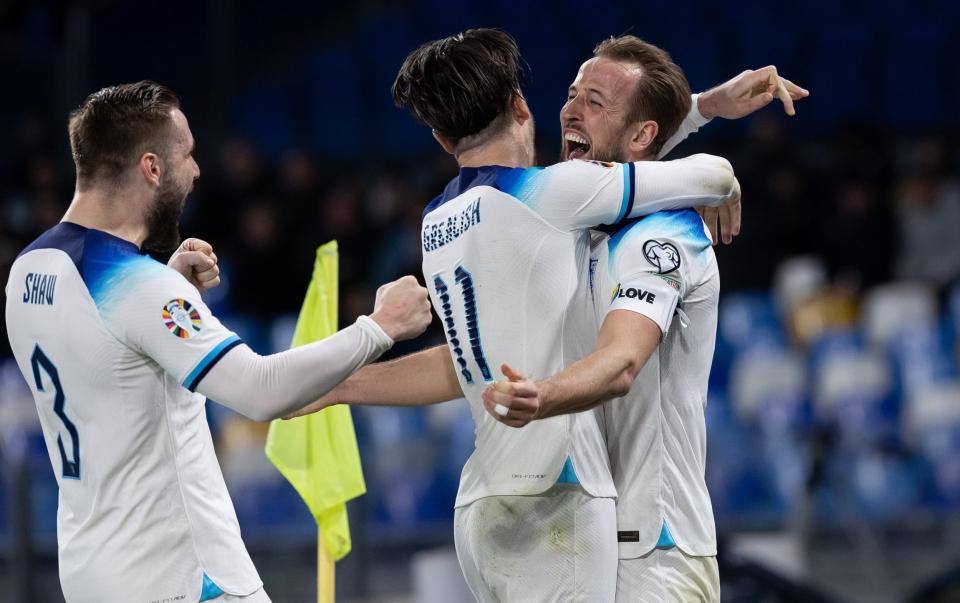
x=163, y=221
x=610, y=153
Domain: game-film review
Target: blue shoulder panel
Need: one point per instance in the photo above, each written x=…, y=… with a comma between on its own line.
x=102, y=259
x=513, y=181
x=108, y=261
x=676, y=223
x=521, y=183
x=66, y=237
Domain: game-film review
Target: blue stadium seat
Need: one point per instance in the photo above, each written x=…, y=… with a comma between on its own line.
x=271, y=507
x=769, y=390
x=922, y=357
x=750, y=319
x=459, y=438
x=44, y=493
x=853, y=392
x=892, y=309
x=741, y=478
x=887, y=484
x=742, y=492
x=832, y=343
x=953, y=310
x=932, y=428
x=404, y=474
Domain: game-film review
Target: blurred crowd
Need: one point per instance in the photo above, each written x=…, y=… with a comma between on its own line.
x=834, y=396
x=835, y=393
x=872, y=206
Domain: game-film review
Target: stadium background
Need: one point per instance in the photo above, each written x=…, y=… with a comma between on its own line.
x=834, y=413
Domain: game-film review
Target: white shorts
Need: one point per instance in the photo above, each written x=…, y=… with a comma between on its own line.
x=668, y=576
x=557, y=546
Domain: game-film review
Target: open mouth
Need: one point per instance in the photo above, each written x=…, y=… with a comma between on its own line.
x=577, y=145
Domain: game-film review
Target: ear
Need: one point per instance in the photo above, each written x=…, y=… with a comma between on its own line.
x=150, y=168
x=521, y=112
x=444, y=141
x=642, y=136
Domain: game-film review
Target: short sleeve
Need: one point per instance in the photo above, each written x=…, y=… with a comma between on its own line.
x=160, y=314
x=655, y=261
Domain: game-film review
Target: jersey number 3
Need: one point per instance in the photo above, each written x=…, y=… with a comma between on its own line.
x=465, y=282
x=39, y=360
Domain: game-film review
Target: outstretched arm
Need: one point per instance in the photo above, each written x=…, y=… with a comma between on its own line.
x=748, y=92
x=268, y=387
x=738, y=97
x=425, y=377
x=626, y=341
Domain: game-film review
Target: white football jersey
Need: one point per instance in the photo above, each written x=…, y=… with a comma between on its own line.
x=506, y=256
x=112, y=344
x=662, y=266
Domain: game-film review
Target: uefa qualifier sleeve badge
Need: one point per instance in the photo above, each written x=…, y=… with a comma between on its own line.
x=181, y=318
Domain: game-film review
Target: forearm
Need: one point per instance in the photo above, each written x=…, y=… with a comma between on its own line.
x=606, y=373
x=681, y=183
x=625, y=343
x=425, y=377
x=266, y=387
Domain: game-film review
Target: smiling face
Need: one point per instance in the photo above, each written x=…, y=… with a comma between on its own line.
x=594, y=119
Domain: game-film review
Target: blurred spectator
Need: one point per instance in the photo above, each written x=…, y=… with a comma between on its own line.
x=928, y=217
x=268, y=278
x=805, y=398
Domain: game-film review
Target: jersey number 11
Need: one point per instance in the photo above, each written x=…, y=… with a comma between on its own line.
x=465, y=282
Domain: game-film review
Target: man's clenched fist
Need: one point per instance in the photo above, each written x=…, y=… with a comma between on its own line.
x=402, y=308
x=197, y=262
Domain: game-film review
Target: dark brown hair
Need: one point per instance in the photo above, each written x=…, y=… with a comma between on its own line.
x=459, y=85
x=114, y=126
x=663, y=94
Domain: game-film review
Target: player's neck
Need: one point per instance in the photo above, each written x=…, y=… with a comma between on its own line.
x=503, y=151
x=110, y=211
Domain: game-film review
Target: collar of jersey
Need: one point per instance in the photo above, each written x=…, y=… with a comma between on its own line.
x=469, y=177
x=106, y=236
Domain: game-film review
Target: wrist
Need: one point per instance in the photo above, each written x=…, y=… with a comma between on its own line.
x=705, y=104
x=338, y=395
x=546, y=394
x=381, y=325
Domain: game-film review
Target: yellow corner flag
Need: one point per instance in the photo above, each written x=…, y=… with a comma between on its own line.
x=318, y=453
